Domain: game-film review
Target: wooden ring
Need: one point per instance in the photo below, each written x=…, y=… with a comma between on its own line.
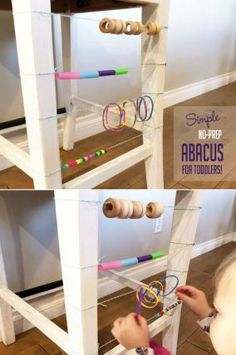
x=111, y=208
x=141, y=28
x=125, y=208
x=131, y=209
x=119, y=27
x=137, y=210
x=106, y=25
x=153, y=28
x=131, y=28
x=154, y=210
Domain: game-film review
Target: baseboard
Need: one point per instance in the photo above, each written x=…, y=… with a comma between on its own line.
x=52, y=305
x=173, y=97
x=91, y=125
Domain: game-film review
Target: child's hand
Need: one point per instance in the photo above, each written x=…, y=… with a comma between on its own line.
x=131, y=331
x=195, y=299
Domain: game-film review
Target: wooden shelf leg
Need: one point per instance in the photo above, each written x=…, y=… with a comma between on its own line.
x=7, y=332
x=35, y=54
x=153, y=84
x=185, y=222
x=77, y=222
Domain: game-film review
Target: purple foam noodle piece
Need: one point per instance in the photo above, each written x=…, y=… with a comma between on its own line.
x=106, y=72
x=144, y=258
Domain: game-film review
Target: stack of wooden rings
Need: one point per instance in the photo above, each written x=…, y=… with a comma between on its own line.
x=115, y=208
x=118, y=27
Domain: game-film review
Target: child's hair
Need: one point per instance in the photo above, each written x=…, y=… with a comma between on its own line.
x=226, y=263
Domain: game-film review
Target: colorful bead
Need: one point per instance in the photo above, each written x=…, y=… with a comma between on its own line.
x=72, y=163
x=85, y=158
x=80, y=161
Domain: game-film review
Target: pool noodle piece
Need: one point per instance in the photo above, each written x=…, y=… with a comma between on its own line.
x=129, y=262
x=157, y=255
x=89, y=75
x=111, y=265
x=144, y=258
x=121, y=263
x=67, y=76
x=121, y=71
x=106, y=72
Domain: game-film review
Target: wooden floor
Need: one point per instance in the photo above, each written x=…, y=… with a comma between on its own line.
x=135, y=178
x=192, y=339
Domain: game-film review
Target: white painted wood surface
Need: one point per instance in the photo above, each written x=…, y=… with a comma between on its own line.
x=6, y=319
x=15, y=155
x=50, y=329
x=185, y=222
x=35, y=54
x=153, y=84
x=77, y=218
x=142, y=2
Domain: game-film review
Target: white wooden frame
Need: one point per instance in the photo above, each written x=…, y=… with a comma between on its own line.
x=42, y=163
x=78, y=241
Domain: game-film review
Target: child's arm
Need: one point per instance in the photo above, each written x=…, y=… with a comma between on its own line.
x=132, y=332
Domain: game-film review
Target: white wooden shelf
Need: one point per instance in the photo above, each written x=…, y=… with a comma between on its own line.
x=34, y=39
x=142, y=2
x=77, y=223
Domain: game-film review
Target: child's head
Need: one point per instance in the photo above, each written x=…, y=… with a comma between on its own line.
x=223, y=329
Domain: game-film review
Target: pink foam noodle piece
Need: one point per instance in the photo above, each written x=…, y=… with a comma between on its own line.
x=67, y=76
x=109, y=266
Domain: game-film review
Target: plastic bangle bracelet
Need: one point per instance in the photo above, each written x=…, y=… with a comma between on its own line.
x=152, y=293
x=141, y=100
x=122, y=116
x=107, y=125
x=174, y=287
x=135, y=110
x=152, y=106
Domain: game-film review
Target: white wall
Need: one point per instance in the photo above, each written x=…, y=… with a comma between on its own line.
x=29, y=234
x=202, y=40
x=10, y=91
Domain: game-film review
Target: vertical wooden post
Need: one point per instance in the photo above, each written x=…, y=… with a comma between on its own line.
x=35, y=54
x=153, y=84
x=71, y=86
x=185, y=222
x=7, y=331
x=77, y=220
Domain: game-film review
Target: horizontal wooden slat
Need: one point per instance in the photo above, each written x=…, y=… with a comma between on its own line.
x=15, y=155
x=51, y=330
x=110, y=169
x=142, y=2
x=82, y=5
